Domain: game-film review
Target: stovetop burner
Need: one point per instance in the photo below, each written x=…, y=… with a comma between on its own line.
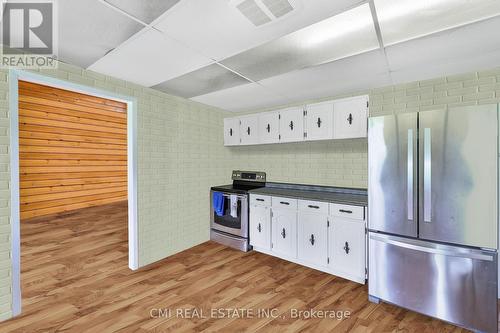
x=243, y=181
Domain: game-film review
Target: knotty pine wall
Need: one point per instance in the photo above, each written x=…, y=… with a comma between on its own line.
x=72, y=150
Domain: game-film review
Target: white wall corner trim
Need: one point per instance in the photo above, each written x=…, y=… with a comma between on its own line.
x=132, y=165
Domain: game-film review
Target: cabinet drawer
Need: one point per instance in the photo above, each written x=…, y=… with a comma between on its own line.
x=313, y=207
x=260, y=200
x=284, y=203
x=347, y=211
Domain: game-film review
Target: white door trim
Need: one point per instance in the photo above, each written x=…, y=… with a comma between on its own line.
x=133, y=237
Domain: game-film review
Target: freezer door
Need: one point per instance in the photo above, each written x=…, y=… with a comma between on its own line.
x=392, y=174
x=455, y=284
x=458, y=176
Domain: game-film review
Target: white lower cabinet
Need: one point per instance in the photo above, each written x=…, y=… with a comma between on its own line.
x=348, y=246
x=313, y=238
x=284, y=232
x=260, y=226
x=321, y=235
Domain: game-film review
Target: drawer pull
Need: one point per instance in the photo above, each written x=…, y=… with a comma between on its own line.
x=311, y=240
x=345, y=211
x=283, y=233
x=346, y=248
x=259, y=199
x=312, y=206
x=230, y=132
x=284, y=203
x=259, y=228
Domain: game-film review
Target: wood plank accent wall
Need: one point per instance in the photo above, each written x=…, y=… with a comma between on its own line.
x=72, y=150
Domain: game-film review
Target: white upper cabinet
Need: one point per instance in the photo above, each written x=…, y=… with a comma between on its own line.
x=292, y=124
x=249, y=130
x=339, y=119
x=231, y=131
x=350, y=118
x=319, y=121
x=269, y=127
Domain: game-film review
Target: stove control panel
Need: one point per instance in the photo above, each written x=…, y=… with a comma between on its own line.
x=252, y=176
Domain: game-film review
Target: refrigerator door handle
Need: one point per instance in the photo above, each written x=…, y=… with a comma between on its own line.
x=427, y=175
x=410, y=175
x=432, y=249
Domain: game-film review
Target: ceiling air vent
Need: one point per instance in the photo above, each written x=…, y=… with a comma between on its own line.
x=251, y=10
x=278, y=7
x=260, y=12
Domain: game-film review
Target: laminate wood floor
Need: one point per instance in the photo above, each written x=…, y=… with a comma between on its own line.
x=75, y=278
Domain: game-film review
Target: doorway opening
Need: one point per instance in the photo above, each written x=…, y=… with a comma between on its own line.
x=74, y=183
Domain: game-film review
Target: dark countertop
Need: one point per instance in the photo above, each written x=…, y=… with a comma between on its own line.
x=340, y=195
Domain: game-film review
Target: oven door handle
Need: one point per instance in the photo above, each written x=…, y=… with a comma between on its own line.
x=242, y=197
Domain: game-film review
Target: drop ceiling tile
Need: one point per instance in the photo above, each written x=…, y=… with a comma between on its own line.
x=90, y=29
x=146, y=11
x=401, y=20
x=217, y=29
x=349, y=75
x=251, y=96
x=340, y=36
x=202, y=81
x=468, y=48
x=149, y=59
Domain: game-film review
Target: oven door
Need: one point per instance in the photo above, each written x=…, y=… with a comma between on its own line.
x=226, y=223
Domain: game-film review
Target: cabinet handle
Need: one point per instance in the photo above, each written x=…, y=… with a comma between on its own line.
x=311, y=240
x=259, y=228
x=319, y=122
x=248, y=130
x=283, y=233
x=268, y=128
x=345, y=211
x=230, y=132
x=312, y=206
x=346, y=248
x=259, y=199
x=291, y=125
x=284, y=203
x=349, y=119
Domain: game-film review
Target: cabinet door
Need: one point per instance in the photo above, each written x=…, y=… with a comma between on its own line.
x=249, y=131
x=231, y=131
x=269, y=127
x=319, y=121
x=350, y=118
x=284, y=234
x=312, y=241
x=347, y=246
x=260, y=223
x=292, y=125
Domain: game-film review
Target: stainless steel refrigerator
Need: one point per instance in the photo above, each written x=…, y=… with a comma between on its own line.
x=433, y=213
